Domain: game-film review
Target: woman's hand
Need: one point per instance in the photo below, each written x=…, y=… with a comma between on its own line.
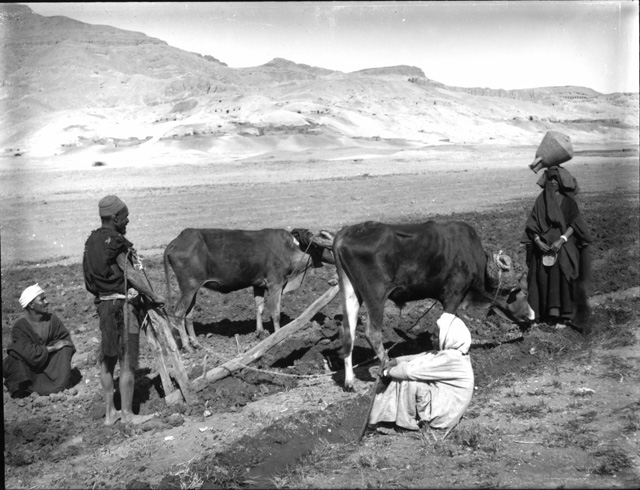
x=541, y=245
x=557, y=245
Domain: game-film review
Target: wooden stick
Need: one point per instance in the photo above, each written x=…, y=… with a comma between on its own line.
x=163, y=331
x=365, y=424
x=260, y=349
x=152, y=338
x=373, y=399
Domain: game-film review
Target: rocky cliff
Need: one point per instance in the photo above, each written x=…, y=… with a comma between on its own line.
x=68, y=85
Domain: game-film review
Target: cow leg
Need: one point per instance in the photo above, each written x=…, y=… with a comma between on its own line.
x=191, y=332
x=181, y=312
x=350, y=308
x=275, y=297
x=258, y=296
x=180, y=322
x=189, y=324
x=373, y=330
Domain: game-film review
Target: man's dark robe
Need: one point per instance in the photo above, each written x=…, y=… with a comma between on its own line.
x=29, y=367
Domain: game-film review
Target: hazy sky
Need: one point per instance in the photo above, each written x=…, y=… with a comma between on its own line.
x=507, y=44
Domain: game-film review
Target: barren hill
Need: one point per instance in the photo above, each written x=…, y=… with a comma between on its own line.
x=69, y=87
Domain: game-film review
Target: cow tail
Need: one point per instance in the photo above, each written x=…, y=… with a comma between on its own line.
x=167, y=262
x=337, y=254
x=340, y=268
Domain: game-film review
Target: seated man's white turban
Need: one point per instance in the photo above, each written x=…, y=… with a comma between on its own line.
x=29, y=294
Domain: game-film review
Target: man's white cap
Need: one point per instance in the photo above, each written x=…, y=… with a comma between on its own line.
x=29, y=294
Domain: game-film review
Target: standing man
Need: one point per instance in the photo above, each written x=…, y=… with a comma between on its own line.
x=108, y=256
x=39, y=357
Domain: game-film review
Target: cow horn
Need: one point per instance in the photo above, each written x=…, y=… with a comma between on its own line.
x=325, y=239
x=327, y=235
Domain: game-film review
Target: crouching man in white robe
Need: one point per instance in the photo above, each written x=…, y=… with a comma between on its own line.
x=433, y=388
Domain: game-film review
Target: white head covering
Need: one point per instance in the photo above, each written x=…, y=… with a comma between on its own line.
x=453, y=333
x=29, y=294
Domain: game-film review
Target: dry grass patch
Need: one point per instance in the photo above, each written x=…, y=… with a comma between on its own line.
x=574, y=432
x=610, y=460
x=525, y=410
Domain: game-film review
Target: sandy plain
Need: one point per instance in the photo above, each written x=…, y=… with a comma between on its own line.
x=49, y=205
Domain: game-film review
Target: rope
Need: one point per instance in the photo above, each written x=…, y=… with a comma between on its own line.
x=306, y=252
x=495, y=297
x=415, y=324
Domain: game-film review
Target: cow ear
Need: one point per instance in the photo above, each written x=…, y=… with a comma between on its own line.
x=503, y=261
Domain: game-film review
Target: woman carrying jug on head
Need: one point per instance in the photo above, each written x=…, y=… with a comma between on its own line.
x=556, y=238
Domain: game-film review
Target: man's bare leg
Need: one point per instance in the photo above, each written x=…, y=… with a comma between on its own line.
x=127, y=379
x=126, y=392
x=127, y=383
x=107, y=366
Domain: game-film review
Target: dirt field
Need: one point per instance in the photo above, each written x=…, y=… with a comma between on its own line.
x=553, y=408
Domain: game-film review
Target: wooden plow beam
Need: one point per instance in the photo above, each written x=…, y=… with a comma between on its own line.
x=258, y=350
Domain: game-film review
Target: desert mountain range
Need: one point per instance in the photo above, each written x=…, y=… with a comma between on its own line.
x=69, y=87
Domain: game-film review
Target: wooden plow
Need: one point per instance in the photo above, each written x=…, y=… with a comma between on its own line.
x=174, y=396
x=159, y=335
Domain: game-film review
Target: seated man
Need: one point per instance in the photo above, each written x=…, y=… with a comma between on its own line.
x=433, y=388
x=39, y=357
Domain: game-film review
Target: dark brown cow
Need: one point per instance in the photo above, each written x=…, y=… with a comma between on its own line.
x=222, y=260
x=442, y=261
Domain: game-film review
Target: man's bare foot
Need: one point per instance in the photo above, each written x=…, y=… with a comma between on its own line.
x=110, y=419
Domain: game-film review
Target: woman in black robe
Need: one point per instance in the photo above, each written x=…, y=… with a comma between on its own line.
x=556, y=239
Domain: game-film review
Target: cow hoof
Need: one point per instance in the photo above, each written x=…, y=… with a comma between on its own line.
x=262, y=334
x=349, y=389
x=196, y=345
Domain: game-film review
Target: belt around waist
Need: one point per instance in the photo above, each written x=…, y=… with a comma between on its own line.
x=112, y=297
